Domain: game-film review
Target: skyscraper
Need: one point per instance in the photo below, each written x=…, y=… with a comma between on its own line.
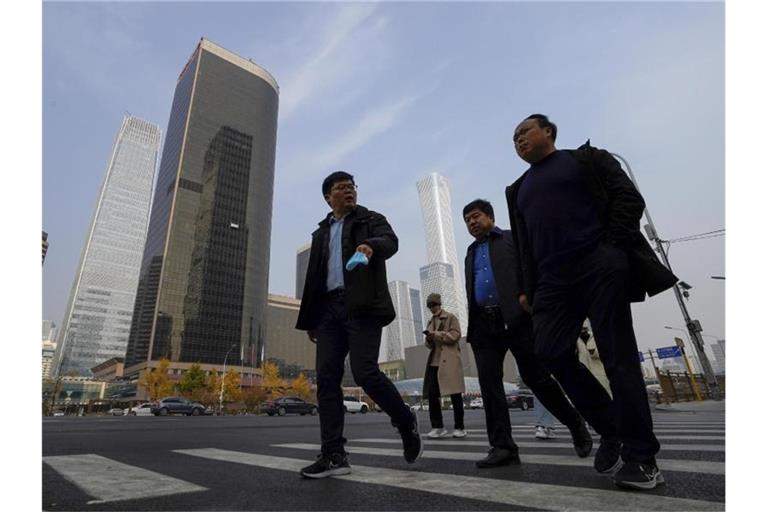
x=202, y=293
x=418, y=323
x=302, y=263
x=435, y=199
x=718, y=349
x=98, y=315
x=399, y=334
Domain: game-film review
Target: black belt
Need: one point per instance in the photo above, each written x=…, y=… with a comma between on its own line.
x=335, y=292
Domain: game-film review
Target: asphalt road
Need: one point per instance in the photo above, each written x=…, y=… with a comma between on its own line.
x=252, y=462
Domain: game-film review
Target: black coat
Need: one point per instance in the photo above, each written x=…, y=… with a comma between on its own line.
x=503, y=262
x=367, y=293
x=619, y=207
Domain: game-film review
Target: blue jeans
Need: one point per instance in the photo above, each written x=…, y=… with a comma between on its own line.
x=544, y=418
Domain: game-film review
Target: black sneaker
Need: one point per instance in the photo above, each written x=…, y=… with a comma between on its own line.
x=327, y=465
x=498, y=457
x=412, y=442
x=634, y=475
x=582, y=439
x=608, y=456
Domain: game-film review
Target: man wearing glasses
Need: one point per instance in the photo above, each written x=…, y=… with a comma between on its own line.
x=343, y=310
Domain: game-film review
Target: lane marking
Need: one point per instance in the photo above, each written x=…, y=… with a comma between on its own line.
x=688, y=466
x=108, y=480
x=523, y=494
x=540, y=444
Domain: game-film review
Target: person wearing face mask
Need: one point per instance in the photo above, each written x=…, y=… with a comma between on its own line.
x=444, y=374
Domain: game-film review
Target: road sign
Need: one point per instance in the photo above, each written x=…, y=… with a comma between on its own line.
x=640, y=355
x=666, y=352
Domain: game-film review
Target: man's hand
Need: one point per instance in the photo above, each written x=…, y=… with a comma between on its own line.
x=523, y=299
x=312, y=335
x=365, y=249
x=430, y=336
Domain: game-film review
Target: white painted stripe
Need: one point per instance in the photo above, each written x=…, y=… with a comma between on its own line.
x=540, y=444
x=108, y=480
x=689, y=466
x=566, y=435
x=521, y=494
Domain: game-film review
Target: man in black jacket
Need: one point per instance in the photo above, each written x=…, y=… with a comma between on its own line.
x=344, y=312
x=575, y=216
x=497, y=324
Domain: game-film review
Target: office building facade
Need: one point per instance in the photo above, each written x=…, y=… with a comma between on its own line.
x=418, y=323
x=287, y=347
x=435, y=200
x=400, y=333
x=97, y=318
x=202, y=294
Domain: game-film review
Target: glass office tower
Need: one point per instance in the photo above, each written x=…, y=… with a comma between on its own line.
x=98, y=315
x=202, y=292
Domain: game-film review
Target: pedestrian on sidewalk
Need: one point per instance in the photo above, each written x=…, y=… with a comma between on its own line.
x=444, y=375
x=497, y=324
x=575, y=216
x=343, y=310
x=545, y=422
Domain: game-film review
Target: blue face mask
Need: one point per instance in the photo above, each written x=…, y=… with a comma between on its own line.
x=357, y=259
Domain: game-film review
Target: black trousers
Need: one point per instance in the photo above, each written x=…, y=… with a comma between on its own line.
x=489, y=349
x=594, y=286
x=360, y=337
x=433, y=396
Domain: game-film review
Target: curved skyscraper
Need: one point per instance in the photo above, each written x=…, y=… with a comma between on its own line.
x=98, y=315
x=435, y=199
x=202, y=293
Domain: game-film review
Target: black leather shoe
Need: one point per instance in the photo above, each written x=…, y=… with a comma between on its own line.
x=582, y=439
x=498, y=457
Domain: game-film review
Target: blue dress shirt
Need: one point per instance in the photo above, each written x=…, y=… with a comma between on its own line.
x=485, y=283
x=335, y=264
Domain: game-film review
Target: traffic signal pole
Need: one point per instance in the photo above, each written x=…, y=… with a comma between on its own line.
x=693, y=326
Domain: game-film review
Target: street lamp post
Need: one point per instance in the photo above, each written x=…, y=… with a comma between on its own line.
x=224, y=374
x=693, y=326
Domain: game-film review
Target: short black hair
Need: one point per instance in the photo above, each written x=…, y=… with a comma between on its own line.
x=544, y=122
x=334, y=178
x=479, y=204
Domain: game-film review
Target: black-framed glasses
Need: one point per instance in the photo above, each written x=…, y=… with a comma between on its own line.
x=343, y=187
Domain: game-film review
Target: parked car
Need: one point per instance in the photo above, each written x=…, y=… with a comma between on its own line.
x=476, y=403
x=116, y=411
x=144, y=409
x=353, y=405
x=177, y=405
x=520, y=400
x=289, y=405
x=58, y=413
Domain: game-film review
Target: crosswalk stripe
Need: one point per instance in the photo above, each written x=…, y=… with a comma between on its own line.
x=689, y=466
x=108, y=480
x=522, y=494
x=540, y=444
x=566, y=435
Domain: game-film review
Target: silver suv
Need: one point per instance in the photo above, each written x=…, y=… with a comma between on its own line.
x=353, y=405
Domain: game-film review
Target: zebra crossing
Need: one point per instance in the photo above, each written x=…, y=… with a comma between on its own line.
x=692, y=448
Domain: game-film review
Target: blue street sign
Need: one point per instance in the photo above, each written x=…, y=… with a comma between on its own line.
x=666, y=352
x=640, y=355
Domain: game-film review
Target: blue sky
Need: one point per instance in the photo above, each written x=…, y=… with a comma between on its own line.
x=391, y=92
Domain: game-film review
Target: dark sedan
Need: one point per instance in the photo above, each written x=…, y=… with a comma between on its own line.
x=177, y=405
x=289, y=405
x=522, y=400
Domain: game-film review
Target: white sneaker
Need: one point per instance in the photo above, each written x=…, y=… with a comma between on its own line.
x=437, y=433
x=540, y=433
x=550, y=433
x=459, y=433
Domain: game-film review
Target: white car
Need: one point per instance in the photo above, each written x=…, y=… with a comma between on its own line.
x=144, y=409
x=476, y=403
x=353, y=405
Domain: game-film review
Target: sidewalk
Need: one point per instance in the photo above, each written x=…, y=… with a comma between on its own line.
x=703, y=406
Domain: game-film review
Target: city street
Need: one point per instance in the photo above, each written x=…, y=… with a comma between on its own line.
x=252, y=463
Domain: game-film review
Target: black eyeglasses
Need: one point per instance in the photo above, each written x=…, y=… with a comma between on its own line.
x=343, y=187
